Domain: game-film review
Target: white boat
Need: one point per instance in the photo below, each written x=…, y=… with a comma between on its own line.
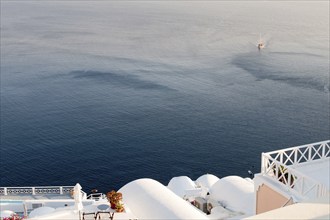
x=293, y=184
x=260, y=43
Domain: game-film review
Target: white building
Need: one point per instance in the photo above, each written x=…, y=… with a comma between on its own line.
x=293, y=184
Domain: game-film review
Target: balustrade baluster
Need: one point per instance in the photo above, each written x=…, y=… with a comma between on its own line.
x=323, y=151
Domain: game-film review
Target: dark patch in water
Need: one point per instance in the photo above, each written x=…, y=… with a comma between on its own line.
x=120, y=79
x=265, y=65
x=296, y=54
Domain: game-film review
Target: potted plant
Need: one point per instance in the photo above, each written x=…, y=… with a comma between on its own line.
x=115, y=198
x=120, y=207
x=283, y=175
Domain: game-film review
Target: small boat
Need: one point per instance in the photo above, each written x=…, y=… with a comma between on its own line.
x=260, y=44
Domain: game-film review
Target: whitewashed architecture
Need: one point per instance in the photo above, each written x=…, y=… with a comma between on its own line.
x=149, y=199
x=293, y=184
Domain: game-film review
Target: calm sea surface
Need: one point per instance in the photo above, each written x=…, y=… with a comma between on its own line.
x=102, y=93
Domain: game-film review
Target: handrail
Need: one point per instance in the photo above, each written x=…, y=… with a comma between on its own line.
x=34, y=190
x=302, y=154
x=96, y=196
x=290, y=148
x=279, y=165
x=40, y=190
x=33, y=186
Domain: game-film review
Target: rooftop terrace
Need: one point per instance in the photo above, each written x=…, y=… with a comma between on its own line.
x=317, y=170
x=303, y=170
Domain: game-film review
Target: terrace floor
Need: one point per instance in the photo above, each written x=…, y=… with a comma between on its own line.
x=33, y=197
x=319, y=170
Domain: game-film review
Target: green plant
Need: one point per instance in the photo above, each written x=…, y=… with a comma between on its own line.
x=115, y=198
x=283, y=175
x=120, y=207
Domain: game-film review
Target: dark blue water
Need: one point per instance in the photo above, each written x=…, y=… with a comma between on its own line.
x=156, y=90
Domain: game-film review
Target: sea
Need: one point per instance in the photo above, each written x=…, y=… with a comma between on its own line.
x=105, y=92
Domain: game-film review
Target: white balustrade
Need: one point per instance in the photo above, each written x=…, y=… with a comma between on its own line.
x=37, y=190
x=280, y=166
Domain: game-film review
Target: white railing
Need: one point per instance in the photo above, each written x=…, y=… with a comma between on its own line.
x=36, y=190
x=280, y=166
x=96, y=196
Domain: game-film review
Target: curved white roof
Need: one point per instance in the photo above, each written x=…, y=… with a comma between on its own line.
x=234, y=193
x=60, y=214
x=207, y=180
x=149, y=199
x=6, y=213
x=45, y=210
x=179, y=185
x=220, y=213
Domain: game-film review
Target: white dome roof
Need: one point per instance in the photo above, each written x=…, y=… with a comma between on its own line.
x=179, y=185
x=234, y=193
x=45, y=210
x=6, y=213
x=220, y=213
x=149, y=199
x=207, y=180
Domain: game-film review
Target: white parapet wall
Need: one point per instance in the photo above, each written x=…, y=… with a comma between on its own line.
x=35, y=190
